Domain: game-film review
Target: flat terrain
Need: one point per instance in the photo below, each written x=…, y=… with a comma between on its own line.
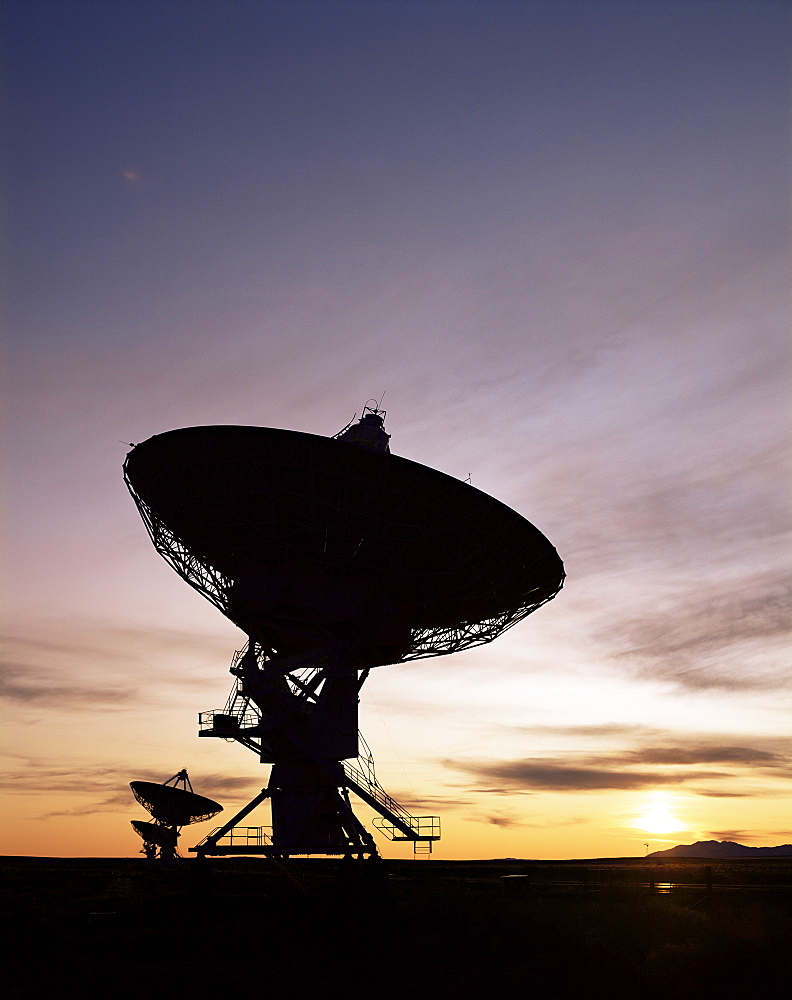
x=623, y=928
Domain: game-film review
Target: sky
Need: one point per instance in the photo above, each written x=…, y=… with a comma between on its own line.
x=555, y=236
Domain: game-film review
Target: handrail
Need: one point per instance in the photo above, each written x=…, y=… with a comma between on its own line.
x=247, y=836
x=376, y=791
x=422, y=827
x=414, y=824
x=244, y=719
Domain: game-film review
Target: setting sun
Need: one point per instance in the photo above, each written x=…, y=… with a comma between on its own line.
x=657, y=819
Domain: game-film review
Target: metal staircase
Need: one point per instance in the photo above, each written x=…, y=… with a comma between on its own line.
x=394, y=820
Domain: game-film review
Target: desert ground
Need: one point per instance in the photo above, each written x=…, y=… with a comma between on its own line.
x=618, y=928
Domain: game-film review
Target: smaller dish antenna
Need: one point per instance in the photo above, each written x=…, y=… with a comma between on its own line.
x=172, y=804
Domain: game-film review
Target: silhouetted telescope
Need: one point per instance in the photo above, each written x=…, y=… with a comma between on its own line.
x=174, y=806
x=333, y=556
x=303, y=541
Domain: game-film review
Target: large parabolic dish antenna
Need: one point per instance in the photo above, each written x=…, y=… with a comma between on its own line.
x=334, y=557
x=174, y=806
x=278, y=527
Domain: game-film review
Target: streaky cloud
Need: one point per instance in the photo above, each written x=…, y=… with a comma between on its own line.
x=41, y=690
x=698, y=641
x=500, y=820
x=711, y=793
x=704, y=754
x=87, y=643
x=641, y=767
x=593, y=730
x=735, y=836
x=109, y=784
x=560, y=775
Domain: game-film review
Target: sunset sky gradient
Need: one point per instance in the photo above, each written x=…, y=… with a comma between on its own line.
x=555, y=235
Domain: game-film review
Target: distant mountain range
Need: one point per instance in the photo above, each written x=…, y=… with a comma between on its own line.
x=723, y=849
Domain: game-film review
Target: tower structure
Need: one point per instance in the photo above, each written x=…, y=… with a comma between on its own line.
x=334, y=557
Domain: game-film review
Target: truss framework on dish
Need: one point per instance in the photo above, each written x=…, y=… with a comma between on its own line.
x=334, y=557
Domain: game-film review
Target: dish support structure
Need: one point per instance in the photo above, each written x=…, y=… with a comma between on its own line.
x=299, y=714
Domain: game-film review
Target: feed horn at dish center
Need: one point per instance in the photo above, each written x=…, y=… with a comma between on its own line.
x=334, y=557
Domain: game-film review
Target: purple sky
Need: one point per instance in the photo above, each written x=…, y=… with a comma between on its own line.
x=556, y=236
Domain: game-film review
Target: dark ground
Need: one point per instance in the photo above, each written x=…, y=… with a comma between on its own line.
x=444, y=930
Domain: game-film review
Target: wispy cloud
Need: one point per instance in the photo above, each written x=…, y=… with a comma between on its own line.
x=412, y=802
x=102, y=789
x=42, y=776
x=705, y=754
x=698, y=640
x=629, y=769
x=641, y=744
x=593, y=731
x=43, y=690
x=714, y=793
x=111, y=646
x=560, y=775
x=226, y=784
x=737, y=836
x=86, y=665
x=113, y=804
x=501, y=819
x=506, y=819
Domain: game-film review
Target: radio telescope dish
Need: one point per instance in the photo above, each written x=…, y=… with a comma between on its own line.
x=302, y=540
x=172, y=804
x=153, y=833
x=333, y=556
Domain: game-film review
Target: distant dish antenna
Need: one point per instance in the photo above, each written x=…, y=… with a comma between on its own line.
x=172, y=804
x=334, y=557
